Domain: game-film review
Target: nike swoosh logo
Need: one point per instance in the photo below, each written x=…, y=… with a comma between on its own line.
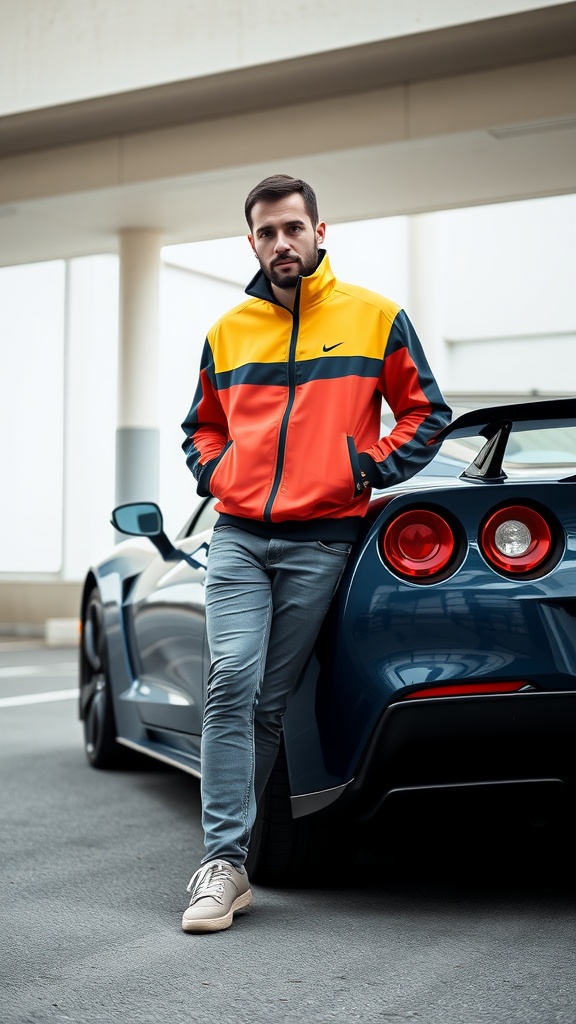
x=328, y=348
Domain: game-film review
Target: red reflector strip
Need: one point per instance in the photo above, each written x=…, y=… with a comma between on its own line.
x=466, y=689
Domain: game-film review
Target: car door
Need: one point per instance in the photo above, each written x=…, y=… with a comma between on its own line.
x=168, y=639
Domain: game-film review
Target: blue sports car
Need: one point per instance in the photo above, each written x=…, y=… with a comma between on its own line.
x=446, y=666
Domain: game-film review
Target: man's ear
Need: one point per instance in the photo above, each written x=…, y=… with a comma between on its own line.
x=320, y=232
x=251, y=240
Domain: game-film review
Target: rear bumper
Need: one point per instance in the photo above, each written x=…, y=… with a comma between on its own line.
x=510, y=743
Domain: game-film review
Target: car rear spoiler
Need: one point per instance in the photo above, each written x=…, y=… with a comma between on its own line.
x=496, y=423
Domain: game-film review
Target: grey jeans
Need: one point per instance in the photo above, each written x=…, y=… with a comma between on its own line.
x=265, y=603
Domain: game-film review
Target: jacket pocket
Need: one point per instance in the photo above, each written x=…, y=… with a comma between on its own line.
x=213, y=482
x=355, y=466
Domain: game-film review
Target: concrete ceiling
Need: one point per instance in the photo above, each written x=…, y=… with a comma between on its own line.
x=480, y=114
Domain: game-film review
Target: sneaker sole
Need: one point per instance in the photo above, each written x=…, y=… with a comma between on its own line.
x=218, y=924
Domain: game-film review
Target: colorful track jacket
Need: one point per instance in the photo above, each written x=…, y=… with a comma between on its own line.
x=287, y=410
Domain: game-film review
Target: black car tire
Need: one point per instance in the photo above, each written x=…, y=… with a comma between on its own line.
x=313, y=850
x=274, y=839
x=96, y=708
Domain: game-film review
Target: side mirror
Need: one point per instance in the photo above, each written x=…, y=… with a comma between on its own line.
x=144, y=519
x=139, y=519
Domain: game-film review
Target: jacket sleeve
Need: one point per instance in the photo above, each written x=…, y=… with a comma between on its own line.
x=410, y=389
x=205, y=426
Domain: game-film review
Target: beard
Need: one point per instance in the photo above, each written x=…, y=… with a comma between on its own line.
x=306, y=264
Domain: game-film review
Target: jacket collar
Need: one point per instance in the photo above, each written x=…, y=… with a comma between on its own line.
x=311, y=289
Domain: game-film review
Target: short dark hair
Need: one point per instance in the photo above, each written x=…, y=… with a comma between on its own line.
x=276, y=187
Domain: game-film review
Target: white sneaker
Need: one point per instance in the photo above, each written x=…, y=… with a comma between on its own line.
x=218, y=891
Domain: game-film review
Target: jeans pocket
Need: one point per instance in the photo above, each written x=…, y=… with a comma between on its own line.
x=335, y=547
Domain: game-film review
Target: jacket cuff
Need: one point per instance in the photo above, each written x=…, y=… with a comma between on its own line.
x=368, y=466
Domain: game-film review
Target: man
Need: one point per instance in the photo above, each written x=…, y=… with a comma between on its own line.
x=284, y=431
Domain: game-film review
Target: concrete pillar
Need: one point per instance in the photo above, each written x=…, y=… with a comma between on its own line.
x=425, y=304
x=137, y=435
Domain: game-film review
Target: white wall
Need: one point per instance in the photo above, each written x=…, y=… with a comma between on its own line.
x=92, y=370
x=31, y=416
x=58, y=369
x=508, y=301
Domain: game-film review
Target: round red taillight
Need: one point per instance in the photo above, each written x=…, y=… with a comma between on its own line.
x=516, y=539
x=418, y=543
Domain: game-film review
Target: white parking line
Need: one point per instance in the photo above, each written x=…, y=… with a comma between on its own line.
x=67, y=668
x=38, y=698
x=20, y=645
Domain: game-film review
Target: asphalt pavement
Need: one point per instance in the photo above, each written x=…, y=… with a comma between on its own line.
x=94, y=867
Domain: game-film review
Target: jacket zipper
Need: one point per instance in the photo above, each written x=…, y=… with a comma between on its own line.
x=290, y=402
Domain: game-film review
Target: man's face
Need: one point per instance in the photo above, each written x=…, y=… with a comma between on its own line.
x=284, y=240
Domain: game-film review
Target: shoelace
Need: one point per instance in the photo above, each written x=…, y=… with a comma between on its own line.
x=210, y=881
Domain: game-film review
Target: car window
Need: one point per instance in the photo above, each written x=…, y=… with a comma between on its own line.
x=543, y=447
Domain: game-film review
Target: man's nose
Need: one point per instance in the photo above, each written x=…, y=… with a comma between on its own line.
x=282, y=243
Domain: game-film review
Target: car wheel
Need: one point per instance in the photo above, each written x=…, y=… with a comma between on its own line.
x=274, y=835
x=96, y=709
x=283, y=851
